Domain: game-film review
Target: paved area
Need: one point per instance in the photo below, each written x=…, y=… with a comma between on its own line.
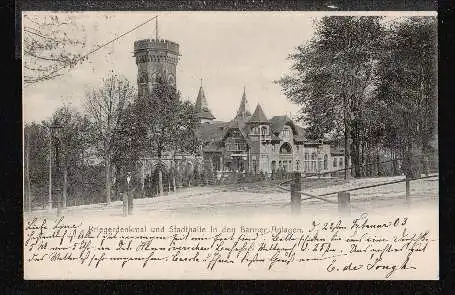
x=260, y=198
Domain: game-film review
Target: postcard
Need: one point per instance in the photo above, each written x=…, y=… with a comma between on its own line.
x=230, y=145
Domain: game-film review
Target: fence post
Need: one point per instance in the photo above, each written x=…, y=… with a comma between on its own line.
x=125, y=204
x=344, y=203
x=59, y=208
x=296, y=187
x=129, y=195
x=408, y=188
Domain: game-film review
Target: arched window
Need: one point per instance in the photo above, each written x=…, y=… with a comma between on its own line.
x=143, y=77
x=325, y=162
x=171, y=80
x=285, y=148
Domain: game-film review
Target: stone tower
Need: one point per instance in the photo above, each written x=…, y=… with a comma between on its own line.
x=155, y=58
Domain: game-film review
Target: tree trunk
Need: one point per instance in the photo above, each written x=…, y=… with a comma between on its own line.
x=160, y=182
x=347, y=148
x=28, y=194
x=143, y=179
x=355, y=151
x=108, y=178
x=65, y=185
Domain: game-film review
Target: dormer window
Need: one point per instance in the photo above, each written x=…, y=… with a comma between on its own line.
x=286, y=132
x=264, y=131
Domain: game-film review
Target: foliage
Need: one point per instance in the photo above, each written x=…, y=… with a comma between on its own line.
x=373, y=83
x=50, y=44
x=164, y=122
x=106, y=108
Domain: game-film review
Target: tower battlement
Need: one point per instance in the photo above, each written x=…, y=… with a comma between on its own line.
x=155, y=58
x=153, y=44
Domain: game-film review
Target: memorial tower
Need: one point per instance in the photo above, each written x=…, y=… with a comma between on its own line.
x=155, y=58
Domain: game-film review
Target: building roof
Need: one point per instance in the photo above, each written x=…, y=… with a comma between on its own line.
x=258, y=116
x=278, y=123
x=238, y=123
x=336, y=151
x=211, y=131
x=202, y=107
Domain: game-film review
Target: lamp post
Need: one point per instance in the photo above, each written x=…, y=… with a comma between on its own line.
x=52, y=127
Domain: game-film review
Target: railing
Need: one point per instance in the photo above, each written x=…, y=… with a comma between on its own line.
x=343, y=201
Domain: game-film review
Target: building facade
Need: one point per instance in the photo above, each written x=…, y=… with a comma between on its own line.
x=253, y=143
x=248, y=143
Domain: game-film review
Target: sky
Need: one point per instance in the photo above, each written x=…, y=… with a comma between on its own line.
x=228, y=50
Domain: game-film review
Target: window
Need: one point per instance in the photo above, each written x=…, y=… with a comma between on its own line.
x=306, y=166
x=264, y=131
x=298, y=147
x=285, y=149
x=297, y=164
x=313, y=162
x=286, y=132
x=334, y=162
x=341, y=162
x=325, y=162
x=273, y=165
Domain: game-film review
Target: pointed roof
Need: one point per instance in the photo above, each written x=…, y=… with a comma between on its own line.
x=258, y=116
x=243, y=108
x=202, y=106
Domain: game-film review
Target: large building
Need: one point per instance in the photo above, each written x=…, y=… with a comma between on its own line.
x=253, y=143
x=249, y=142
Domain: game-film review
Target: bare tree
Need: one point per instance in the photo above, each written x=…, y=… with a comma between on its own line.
x=105, y=107
x=50, y=44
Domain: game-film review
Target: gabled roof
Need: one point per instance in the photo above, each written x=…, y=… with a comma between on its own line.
x=238, y=123
x=258, y=116
x=278, y=122
x=211, y=131
x=202, y=108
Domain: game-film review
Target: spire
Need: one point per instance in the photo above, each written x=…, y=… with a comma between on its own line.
x=202, y=106
x=243, y=108
x=258, y=116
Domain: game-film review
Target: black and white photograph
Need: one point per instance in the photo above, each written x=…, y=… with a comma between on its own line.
x=230, y=145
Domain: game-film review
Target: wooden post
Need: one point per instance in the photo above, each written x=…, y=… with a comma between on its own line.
x=296, y=187
x=125, y=204
x=408, y=188
x=344, y=203
x=59, y=208
x=130, y=200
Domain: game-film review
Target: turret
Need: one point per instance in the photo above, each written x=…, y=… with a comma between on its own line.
x=259, y=126
x=203, y=112
x=155, y=59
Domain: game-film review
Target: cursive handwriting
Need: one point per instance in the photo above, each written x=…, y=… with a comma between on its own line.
x=360, y=245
